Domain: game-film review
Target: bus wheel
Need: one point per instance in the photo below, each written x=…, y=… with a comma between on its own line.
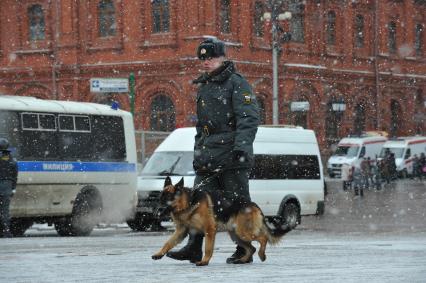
x=18, y=226
x=291, y=214
x=86, y=214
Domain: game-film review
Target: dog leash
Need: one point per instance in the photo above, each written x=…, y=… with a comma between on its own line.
x=208, y=179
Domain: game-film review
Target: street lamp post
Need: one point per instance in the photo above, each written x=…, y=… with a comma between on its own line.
x=274, y=73
x=132, y=92
x=275, y=17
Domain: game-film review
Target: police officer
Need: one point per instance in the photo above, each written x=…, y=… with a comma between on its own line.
x=8, y=178
x=228, y=118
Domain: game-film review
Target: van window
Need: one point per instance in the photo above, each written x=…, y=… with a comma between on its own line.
x=362, y=153
x=170, y=163
x=407, y=153
x=285, y=167
x=349, y=151
x=396, y=151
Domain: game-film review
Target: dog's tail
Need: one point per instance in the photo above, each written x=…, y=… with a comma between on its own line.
x=275, y=230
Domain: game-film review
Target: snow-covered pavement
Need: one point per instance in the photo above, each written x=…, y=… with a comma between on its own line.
x=378, y=238
x=118, y=255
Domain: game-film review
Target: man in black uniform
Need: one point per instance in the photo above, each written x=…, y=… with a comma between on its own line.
x=8, y=178
x=228, y=118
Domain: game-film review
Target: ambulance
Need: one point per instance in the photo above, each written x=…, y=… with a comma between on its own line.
x=352, y=150
x=404, y=149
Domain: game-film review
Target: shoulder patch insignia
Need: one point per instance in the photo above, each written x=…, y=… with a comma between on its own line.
x=247, y=98
x=5, y=158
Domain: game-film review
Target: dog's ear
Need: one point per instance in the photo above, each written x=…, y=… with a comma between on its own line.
x=180, y=183
x=167, y=181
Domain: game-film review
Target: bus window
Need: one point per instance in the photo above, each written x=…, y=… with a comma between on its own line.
x=285, y=167
x=9, y=129
x=29, y=121
x=66, y=123
x=82, y=124
x=47, y=122
x=108, y=138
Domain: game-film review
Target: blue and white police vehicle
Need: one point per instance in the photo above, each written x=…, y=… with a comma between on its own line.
x=76, y=161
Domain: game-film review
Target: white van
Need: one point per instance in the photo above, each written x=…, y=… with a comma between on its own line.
x=286, y=181
x=404, y=149
x=352, y=150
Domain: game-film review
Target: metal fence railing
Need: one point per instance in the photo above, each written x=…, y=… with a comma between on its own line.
x=146, y=143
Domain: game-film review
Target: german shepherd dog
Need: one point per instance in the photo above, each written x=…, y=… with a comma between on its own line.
x=244, y=226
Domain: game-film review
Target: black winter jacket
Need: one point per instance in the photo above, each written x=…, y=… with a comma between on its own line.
x=228, y=117
x=8, y=167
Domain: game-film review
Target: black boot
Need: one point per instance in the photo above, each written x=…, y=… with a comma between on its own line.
x=192, y=251
x=239, y=253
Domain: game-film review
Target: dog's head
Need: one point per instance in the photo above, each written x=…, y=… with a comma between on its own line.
x=171, y=194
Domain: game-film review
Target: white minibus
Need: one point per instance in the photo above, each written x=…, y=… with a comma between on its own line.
x=76, y=163
x=286, y=181
x=404, y=149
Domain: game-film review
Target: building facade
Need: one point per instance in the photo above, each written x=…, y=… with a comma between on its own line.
x=350, y=66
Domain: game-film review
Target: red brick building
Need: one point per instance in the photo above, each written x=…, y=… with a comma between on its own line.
x=352, y=65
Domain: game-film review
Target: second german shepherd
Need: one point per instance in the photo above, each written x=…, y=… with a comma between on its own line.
x=244, y=226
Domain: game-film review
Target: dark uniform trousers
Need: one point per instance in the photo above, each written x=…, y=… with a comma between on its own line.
x=6, y=188
x=229, y=188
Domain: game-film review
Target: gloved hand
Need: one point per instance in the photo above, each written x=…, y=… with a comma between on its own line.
x=239, y=155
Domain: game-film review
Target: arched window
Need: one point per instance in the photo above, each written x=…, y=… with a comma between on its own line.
x=163, y=116
x=258, y=25
x=419, y=113
x=37, y=26
x=225, y=16
x=418, y=41
x=300, y=118
x=297, y=28
x=359, y=31
x=396, y=114
x=392, y=37
x=335, y=108
x=106, y=18
x=395, y=122
x=160, y=16
x=331, y=28
x=359, y=121
x=299, y=112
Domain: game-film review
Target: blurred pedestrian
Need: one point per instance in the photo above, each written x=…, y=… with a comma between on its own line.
x=422, y=165
x=8, y=179
x=417, y=170
x=365, y=171
x=346, y=176
x=376, y=178
x=390, y=163
x=358, y=181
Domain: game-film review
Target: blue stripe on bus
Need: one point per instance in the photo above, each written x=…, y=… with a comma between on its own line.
x=59, y=166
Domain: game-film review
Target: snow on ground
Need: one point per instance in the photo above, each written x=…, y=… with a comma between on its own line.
x=118, y=255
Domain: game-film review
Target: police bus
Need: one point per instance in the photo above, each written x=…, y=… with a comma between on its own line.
x=76, y=161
